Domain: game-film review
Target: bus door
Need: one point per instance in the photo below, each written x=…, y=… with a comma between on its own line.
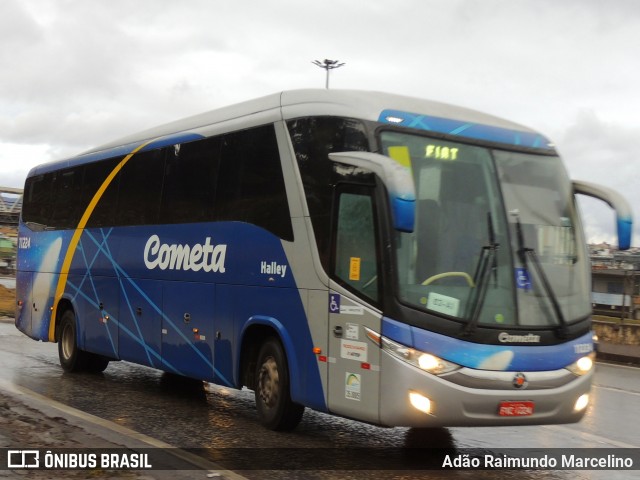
x=354, y=361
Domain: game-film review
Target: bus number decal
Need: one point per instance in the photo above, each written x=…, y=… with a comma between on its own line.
x=583, y=348
x=24, y=242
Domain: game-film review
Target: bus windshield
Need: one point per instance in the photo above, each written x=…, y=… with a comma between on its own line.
x=495, y=237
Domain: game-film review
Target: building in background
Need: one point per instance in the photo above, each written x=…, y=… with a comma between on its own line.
x=615, y=281
x=7, y=254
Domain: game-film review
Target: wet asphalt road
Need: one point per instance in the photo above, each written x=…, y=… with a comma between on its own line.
x=191, y=415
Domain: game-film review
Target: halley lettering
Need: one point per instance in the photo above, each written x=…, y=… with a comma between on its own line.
x=273, y=268
x=207, y=257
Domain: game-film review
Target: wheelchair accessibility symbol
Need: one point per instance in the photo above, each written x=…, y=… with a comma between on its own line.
x=334, y=303
x=523, y=281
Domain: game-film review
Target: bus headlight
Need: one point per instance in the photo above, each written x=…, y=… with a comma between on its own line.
x=582, y=366
x=424, y=361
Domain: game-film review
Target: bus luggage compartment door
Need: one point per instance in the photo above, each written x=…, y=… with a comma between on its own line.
x=188, y=329
x=140, y=322
x=100, y=314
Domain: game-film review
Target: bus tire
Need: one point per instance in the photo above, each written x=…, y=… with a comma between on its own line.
x=96, y=363
x=72, y=359
x=276, y=410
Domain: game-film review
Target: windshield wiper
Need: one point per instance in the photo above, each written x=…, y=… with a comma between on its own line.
x=525, y=253
x=488, y=263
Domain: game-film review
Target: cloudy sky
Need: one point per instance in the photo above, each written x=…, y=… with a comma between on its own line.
x=79, y=73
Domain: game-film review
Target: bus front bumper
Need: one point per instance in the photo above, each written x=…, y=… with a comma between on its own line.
x=414, y=398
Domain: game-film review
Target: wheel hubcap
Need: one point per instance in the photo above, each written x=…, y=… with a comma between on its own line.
x=269, y=382
x=67, y=342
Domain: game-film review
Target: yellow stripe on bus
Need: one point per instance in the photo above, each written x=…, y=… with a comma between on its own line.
x=71, y=250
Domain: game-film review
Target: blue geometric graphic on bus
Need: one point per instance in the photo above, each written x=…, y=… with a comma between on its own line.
x=175, y=299
x=465, y=129
x=177, y=332
x=39, y=261
x=104, y=325
x=487, y=357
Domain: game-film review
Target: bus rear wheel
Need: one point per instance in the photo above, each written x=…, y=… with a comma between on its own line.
x=276, y=410
x=96, y=363
x=72, y=359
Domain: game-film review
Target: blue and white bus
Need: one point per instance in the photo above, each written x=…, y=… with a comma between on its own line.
x=393, y=260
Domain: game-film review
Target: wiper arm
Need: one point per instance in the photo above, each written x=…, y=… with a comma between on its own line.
x=525, y=253
x=487, y=263
x=493, y=245
x=530, y=252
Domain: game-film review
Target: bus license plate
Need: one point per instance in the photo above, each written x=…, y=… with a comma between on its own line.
x=515, y=409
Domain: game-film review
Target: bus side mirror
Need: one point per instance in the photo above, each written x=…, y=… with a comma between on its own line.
x=397, y=179
x=615, y=201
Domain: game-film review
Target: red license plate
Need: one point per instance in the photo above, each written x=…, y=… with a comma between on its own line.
x=515, y=409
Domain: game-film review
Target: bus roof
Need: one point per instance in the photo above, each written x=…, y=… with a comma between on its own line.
x=376, y=106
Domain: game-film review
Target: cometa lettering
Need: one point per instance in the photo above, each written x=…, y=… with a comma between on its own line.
x=504, y=337
x=206, y=257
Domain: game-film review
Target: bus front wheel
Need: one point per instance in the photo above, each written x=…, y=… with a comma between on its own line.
x=276, y=410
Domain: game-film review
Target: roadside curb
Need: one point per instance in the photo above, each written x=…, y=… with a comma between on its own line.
x=613, y=352
x=617, y=358
x=115, y=434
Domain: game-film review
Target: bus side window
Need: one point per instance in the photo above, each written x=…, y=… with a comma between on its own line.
x=355, y=247
x=94, y=176
x=313, y=138
x=67, y=186
x=250, y=183
x=140, y=188
x=37, y=199
x=189, y=187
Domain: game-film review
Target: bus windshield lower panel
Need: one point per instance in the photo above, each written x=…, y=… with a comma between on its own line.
x=496, y=241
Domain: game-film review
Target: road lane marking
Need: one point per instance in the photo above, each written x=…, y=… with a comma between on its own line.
x=597, y=439
x=616, y=365
x=617, y=390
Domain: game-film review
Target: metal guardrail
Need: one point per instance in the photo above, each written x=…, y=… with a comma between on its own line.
x=10, y=205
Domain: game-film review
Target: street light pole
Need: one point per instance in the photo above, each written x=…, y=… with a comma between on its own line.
x=328, y=65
